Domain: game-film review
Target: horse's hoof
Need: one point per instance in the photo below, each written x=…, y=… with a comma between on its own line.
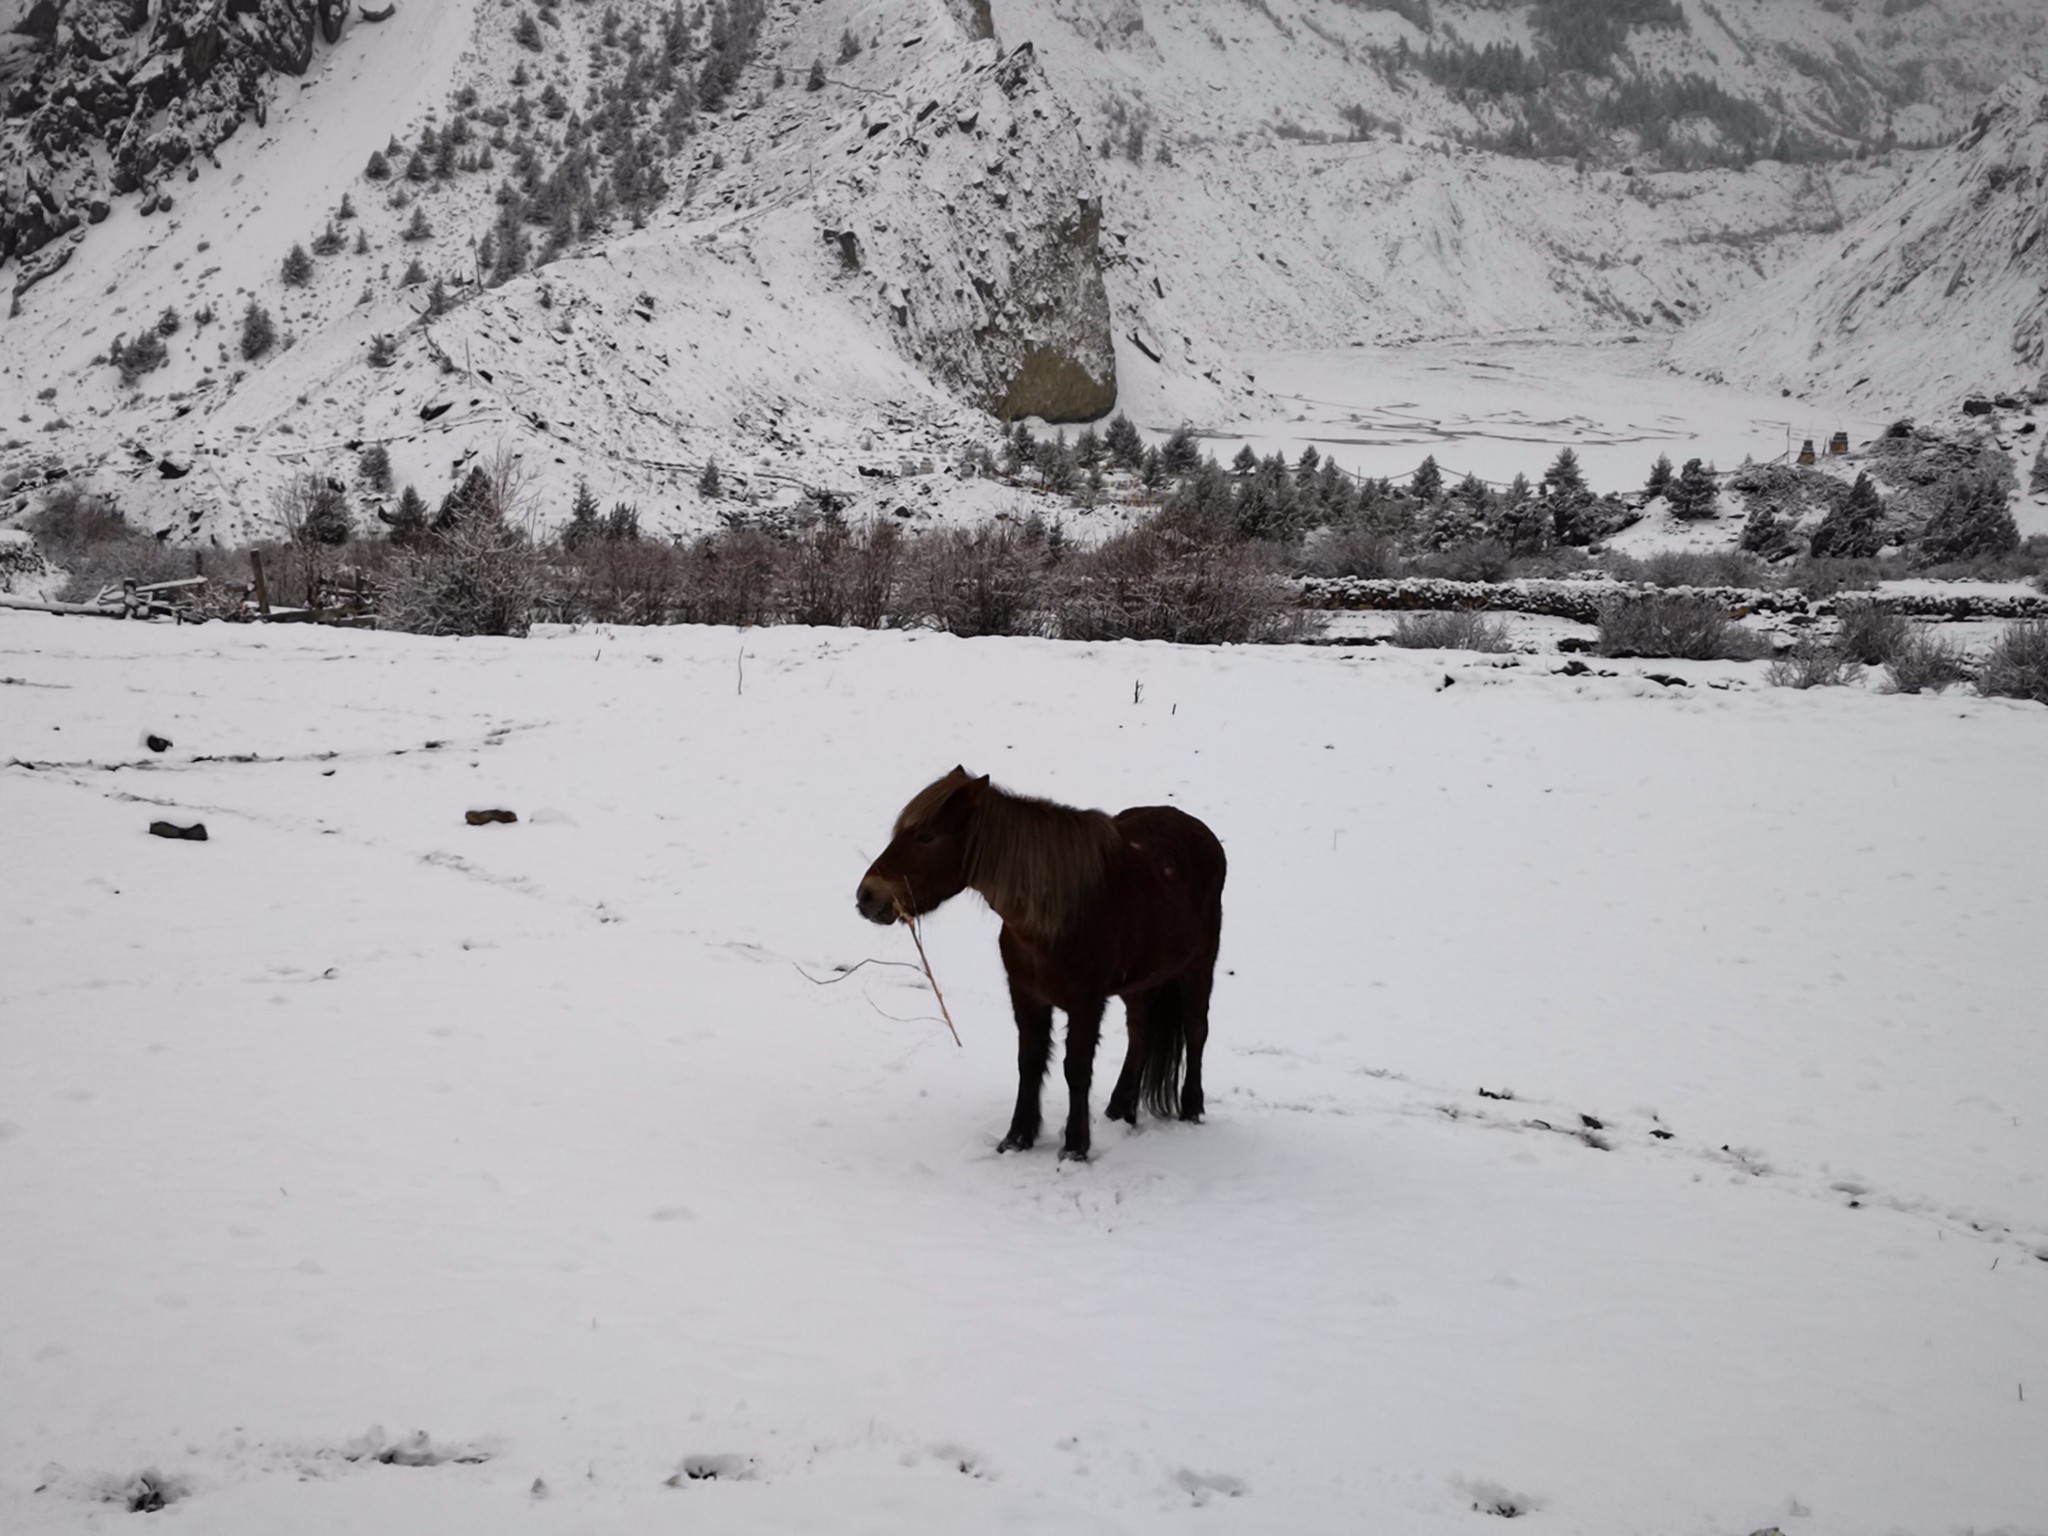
x=1128, y=1116
x=1015, y=1143
x=1192, y=1115
x=1073, y=1154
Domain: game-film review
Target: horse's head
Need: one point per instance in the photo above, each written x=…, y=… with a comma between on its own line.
x=926, y=862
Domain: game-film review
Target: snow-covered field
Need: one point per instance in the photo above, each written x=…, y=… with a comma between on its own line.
x=356, y=1122
x=1501, y=406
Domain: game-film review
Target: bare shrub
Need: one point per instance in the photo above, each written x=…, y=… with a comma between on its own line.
x=1155, y=583
x=1810, y=664
x=981, y=581
x=729, y=578
x=1923, y=662
x=1870, y=634
x=1662, y=624
x=1352, y=551
x=612, y=581
x=1824, y=578
x=480, y=577
x=2017, y=667
x=1473, y=560
x=70, y=519
x=1459, y=630
x=833, y=574
x=1702, y=568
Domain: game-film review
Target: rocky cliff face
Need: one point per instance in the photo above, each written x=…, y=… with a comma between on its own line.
x=105, y=97
x=1938, y=292
x=968, y=202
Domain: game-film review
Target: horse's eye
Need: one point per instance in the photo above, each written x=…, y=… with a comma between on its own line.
x=927, y=837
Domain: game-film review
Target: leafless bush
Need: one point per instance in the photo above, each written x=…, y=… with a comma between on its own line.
x=1450, y=631
x=1923, y=662
x=1352, y=551
x=1154, y=583
x=833, y=574
x=70, y=518
x=2017, y=667
x=1471, y=560
x=1870, y=634
x=480, y=577
x=1701, y=568
x=617, y=581
x=982, y=581
x=1662, y=624
x=1810, y=664
x=729, y=578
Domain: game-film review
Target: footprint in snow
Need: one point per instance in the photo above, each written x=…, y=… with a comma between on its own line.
x=1203, y=1486
x=713, y=1467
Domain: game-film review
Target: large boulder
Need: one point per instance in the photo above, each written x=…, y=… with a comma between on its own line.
x=968, y=208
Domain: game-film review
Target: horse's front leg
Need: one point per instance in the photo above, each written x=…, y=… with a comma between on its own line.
x=1034, y=1050
x=1084, y=1028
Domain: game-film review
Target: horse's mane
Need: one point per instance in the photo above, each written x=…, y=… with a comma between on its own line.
x=1033, y=861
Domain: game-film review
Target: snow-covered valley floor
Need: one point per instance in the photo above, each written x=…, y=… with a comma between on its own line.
x=356, y=1122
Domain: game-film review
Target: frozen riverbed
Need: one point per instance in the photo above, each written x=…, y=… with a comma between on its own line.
x=1624, y=1100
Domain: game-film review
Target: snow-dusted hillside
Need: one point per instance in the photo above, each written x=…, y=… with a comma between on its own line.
x=1939, y=291
x=1133, y=201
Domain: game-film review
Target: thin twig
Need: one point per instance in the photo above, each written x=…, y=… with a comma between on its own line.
x=910, y=921
x=846, y=971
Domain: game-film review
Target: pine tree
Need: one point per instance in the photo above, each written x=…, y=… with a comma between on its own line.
x=347, y=210
x=2037, y=481
x=259, y=332
x=815, y=80
x=1245, y=462
x=373, y=467
x=473, y=500
x=362, y=245
x=408, y=523
x=438, y=302
x=1126, y=447
x=414, y=274
x=329, y=241
x=526, y=32
x=1152, y=469
x=419, y=228
x=707, y=483
x=1659, y=483
x=1564, y=475
x=1972, y=520
x=1181, y=453
x=622, y=524
x=327, y=519
x=583, y=523
x=379, y=168
x=1695, y=494
x=1852, y=530
x=383, y=350
x=1427, y=483
x=298, y=267
x=417, y=168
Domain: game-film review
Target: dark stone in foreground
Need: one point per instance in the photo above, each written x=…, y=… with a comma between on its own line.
x=485, y=818
x=196, y=833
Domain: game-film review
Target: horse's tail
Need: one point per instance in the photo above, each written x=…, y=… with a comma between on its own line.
x=1166, y=1040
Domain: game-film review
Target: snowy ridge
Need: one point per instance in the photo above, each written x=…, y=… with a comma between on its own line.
x=1940, y=291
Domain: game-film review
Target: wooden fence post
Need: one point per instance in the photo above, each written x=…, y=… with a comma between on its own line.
x=262, y=589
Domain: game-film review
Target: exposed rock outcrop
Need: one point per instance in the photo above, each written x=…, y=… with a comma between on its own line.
x=969, y=203
x=103, y=97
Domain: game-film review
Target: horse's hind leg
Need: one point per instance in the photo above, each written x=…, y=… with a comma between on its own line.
x=1123, y=1099
x=1195, y=990
x=1034, y=1050
x=1084, y=1027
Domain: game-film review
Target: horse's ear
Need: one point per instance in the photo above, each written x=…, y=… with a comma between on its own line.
x=958, y=772
x=982, y=781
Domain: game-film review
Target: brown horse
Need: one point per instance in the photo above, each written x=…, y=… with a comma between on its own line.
x=1092, y=905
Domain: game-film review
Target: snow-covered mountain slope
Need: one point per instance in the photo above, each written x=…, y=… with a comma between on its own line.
x=1129, y=201
x=837, y=279
x=1939, y=291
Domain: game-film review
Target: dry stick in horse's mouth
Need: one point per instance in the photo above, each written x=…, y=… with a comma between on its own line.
x=910, y=922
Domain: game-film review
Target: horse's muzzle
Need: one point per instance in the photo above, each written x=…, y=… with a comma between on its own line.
x=875, y=903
